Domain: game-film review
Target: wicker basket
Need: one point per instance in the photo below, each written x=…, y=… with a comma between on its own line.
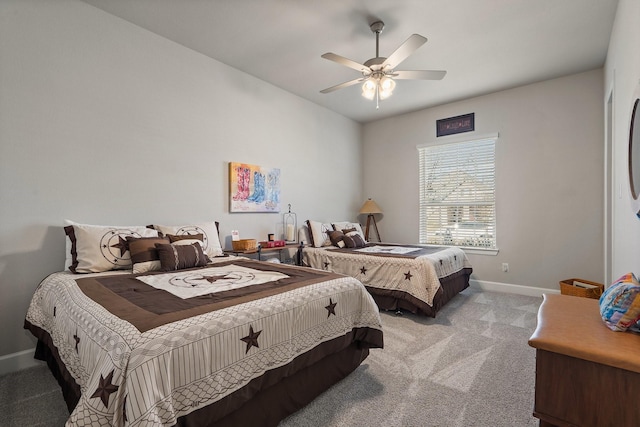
x=244, y=244
x=568, y=288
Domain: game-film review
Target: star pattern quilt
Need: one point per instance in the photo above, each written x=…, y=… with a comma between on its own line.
x=140, y=355
x=414, y=270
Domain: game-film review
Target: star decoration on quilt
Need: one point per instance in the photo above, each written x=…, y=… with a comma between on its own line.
x=214, y=278
x=331, y=308
x=326, y=265
x=251, y=339
x=363, y=270
x=76, y=338
x=408, y=275
x=105, y=388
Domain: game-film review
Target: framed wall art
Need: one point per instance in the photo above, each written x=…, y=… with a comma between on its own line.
x=253, y=188
x=458, y=124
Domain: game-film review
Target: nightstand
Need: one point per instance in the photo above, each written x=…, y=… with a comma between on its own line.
x=259, y=251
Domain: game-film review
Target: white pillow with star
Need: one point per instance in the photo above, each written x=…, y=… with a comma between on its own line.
x=101, y=248
x=318, y=233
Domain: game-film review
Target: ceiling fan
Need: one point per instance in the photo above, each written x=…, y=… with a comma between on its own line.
x=379, y=74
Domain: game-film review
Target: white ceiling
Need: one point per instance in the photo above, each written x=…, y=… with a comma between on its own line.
x=485, y=45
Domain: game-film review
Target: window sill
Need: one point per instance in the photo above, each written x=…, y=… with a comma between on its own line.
x=470, y=250
x=480, y=251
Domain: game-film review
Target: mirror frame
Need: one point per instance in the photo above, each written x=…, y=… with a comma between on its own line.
x=634, y=164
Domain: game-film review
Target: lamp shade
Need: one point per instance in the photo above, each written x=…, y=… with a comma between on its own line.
x=378, y=85
x=386, y=86
x=370, y=207
x=369, y=88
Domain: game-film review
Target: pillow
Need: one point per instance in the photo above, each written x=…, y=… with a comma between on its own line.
x=337, y=238
x=144, y=255
x=304, y=234
x=353, y=240
x=318, y=235
x=209, y=231
x=178, y=257
x=174, y=238
x=343, y=225
x=98, y=248
x=620, y=304
x=185, y=242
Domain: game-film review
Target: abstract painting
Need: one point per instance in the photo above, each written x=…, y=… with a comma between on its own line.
x=253, y=188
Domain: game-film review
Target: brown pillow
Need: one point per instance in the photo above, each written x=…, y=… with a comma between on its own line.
x=353, y=240
x=143, y=249
x=337, y=238
x=174, y=237
x=178, y=257
x=144, y=255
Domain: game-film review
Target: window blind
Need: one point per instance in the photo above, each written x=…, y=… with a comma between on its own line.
x=457, y=194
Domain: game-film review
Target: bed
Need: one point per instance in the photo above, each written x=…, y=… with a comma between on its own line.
x=231, y=342
x=418, y=279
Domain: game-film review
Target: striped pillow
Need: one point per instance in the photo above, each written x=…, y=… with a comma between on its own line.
x=178, y=257
x=353, y=240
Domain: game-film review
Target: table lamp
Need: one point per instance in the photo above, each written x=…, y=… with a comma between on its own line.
x=370, y=208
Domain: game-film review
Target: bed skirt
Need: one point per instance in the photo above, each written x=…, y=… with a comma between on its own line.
x=450, y=286
x=265, y=401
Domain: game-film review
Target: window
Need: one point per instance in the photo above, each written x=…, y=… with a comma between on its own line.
x=457, y=194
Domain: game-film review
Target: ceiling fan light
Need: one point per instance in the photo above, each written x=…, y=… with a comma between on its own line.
x=386, y=87
x=387, y=84
x=369, y=89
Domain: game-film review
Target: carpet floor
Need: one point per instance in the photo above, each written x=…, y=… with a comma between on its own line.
x=470, y=366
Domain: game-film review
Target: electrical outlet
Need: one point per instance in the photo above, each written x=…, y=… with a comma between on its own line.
x=505, y=267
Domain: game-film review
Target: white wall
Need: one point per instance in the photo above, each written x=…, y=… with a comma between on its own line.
x=622, y=78
x=103, y=122
x=549, y=179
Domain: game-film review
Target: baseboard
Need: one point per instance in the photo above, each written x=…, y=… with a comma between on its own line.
x=18, y=361
x=511, y=289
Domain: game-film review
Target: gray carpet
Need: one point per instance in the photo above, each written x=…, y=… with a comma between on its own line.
x=31, y=397
x=470, y=366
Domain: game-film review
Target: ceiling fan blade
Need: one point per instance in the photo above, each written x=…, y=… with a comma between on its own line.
x=419, y=75
x=405, y=49
x=346, y=61
x=341, y=85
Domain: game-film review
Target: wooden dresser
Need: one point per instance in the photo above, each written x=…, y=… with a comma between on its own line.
x=586, y=374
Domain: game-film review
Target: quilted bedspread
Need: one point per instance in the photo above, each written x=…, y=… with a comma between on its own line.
x=142, y=355
x=412, y=269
